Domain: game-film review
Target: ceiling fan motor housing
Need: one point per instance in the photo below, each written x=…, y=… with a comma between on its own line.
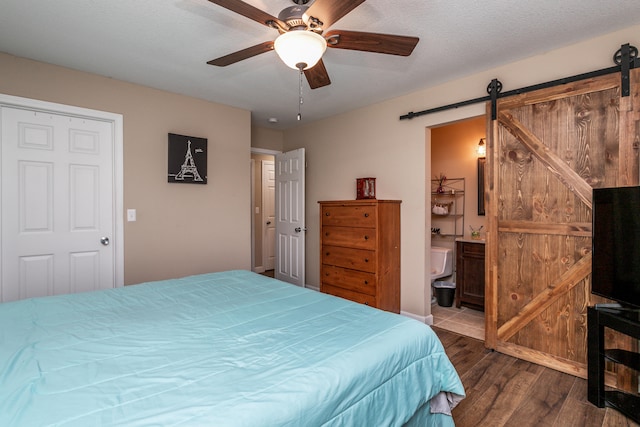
x=292, y=15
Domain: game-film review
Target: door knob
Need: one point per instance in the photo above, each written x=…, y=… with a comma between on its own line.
x=104, y=241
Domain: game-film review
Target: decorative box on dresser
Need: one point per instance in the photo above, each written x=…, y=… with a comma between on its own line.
x=470, y=274
x=360, y=251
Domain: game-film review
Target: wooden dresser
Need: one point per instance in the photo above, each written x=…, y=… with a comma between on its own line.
x=360, y=251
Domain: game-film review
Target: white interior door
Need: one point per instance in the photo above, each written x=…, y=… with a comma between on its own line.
x=57, y=209
x=268, y=215
x=290, y=217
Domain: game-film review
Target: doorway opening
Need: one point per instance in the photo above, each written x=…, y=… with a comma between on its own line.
x=280, y=215
x=263, y=249
x=454, y=157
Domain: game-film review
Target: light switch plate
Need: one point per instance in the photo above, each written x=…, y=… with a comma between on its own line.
x=131, y=215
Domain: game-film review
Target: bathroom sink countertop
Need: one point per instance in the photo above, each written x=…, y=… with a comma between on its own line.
x=463, y=239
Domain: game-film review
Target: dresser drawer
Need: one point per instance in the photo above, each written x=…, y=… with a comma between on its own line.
x=358, y=281
x=356, y=259
x=352, y=237
x=350, y=295
x=349, y=216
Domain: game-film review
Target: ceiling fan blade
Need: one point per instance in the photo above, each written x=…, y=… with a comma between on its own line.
x=329, y=11
x=249, y=52
x=371, y=42
x=317, y=76
x=249, y=11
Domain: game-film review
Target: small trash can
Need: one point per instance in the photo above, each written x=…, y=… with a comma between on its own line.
x=445, y=292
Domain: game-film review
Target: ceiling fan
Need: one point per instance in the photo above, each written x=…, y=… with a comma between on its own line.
x=302, y=40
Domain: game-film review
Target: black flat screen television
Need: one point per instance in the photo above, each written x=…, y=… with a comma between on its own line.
x=616, y=245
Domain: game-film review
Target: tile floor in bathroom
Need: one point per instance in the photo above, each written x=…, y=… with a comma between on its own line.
x=463, y=320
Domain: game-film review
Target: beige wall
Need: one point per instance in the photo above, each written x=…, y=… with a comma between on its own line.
x=268, y=139
x=181, y=229
x=367, y=143
x=372, y=141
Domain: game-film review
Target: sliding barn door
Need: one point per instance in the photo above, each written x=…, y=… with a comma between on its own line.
x=547, y=150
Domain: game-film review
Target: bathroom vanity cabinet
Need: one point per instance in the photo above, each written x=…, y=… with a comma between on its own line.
x=470, y=274
x=360, y=251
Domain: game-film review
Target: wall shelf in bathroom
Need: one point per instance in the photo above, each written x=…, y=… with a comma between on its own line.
x=451, y=223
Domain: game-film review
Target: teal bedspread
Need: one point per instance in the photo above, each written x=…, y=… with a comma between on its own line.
x=220, y=349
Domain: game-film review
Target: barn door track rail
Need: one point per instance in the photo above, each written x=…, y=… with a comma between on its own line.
x=625, y=58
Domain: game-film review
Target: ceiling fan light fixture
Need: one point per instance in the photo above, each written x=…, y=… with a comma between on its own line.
x=300, y=49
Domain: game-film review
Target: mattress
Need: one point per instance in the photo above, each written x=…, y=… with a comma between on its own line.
x=221, y=349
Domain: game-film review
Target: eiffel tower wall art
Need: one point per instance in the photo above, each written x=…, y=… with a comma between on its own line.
x=187, y=159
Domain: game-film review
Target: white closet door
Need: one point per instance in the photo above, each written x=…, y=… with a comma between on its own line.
x=57, y=204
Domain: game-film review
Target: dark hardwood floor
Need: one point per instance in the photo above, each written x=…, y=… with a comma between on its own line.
x=268, y=273
x=505, y=391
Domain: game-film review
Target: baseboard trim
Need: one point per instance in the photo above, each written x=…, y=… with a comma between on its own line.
x=429, y=320
x=424, y=319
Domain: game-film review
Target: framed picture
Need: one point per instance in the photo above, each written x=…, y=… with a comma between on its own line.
x=481, y=164
x=365, y=188
x=187, y=159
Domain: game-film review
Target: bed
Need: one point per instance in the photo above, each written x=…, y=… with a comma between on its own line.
x=221, y=349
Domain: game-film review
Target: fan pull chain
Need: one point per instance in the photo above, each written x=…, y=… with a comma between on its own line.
x=300, y=100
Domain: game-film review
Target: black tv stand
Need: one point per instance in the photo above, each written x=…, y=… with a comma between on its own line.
x=608, y=305
x=614, y=307
x=626, y=321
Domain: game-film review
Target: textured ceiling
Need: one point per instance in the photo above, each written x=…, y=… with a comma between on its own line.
x=165, y=44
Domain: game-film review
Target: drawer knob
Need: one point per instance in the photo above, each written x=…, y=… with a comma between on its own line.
x=326, y=214
x=366, y=237
x=366, y=282
x=366, y=303
x=327, y=254
x=326, y=234
x=366, y=215
x=366, y=260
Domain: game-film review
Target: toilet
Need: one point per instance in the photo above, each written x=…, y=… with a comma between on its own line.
x=441, y=262
x=441, y=266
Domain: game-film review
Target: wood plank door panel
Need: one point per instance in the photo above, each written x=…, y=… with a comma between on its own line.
x=547, y=150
